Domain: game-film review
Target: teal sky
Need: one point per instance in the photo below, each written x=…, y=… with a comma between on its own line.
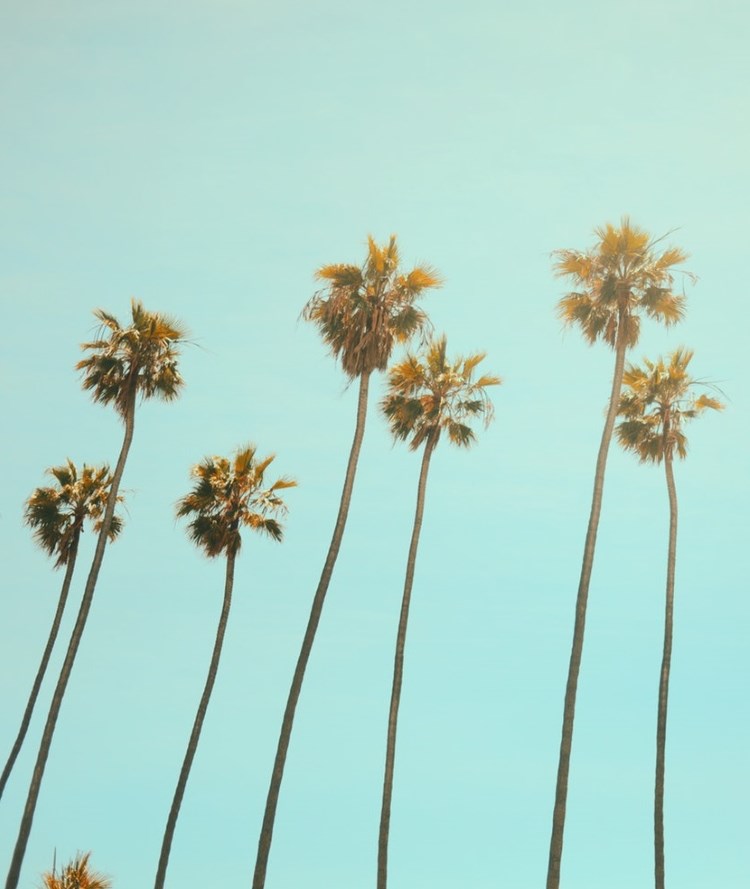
x=207, y=158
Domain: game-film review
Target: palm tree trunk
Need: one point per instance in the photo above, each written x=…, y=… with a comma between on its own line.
x=563, y=768
x=266, y=832
x=398, y=672
x=72, y=553
x=197, y=726
x=14, y=871
x=661, y=723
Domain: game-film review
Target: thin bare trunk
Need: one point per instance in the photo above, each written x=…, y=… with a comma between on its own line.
x=398, y=672
x=197, y=726
x=14, y=872
x=266, y=832
x=72, y=553
x=661, y=723
x=566, y=741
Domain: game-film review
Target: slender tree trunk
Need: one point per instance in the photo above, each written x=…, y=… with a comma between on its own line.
x=398, y=672
x=561, y=789
x=197, y=726
x=72, y=553
x=14, y=872
x=661, y=723
x=266, y=832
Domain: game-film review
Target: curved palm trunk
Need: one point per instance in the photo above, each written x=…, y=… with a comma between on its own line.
x=26, y=720
x=661, y=723
x=197, y=726
x=14, y=871
x=398, y=672
x=266, y=832
x=563, y=768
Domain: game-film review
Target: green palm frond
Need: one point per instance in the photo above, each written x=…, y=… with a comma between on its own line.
x=620, y=277
x=362, y=313
x=229, y=495
x=429, y=394
x=139, y=359
x=57, y=514
x=656, y=401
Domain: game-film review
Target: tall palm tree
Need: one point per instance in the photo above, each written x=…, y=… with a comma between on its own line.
x=361, y=313
x=228, y=496
x=426, y=397
x=76, y=875
x=123, y=363
x=657, y=401
x=57, y=515
x=623, y=277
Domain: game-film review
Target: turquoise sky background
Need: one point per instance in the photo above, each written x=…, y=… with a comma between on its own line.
x=207, y=158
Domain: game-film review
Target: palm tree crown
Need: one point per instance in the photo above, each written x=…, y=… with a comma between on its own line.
x=77, y=875
x=141, y=358
x=621, y=276
x=229, y=495
x=57, y=513
x=657, y=401
x=428, y=395
x=363, y=312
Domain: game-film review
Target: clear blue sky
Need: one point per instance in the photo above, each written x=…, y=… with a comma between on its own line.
x=206, y=157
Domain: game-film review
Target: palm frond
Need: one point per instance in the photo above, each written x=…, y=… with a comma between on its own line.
x=656, y=402
x=229, y=494
x=622, y=276
x=428, y=394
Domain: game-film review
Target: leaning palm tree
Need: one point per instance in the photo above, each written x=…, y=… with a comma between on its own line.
x=657, y=401
x=76, y=875
x=57, y=515
x=228, y=495
x=426, y=396
x=123, y=363
x=623, y=277
x=361, y=314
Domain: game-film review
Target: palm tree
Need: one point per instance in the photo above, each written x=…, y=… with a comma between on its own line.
x=361, y=314
x=425, y=397
x=76, y=875
x=228, y=495
x=123, y=363
x=57, y=515
x=621, y=278
x=656, y=402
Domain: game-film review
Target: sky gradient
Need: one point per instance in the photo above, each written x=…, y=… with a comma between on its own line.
x=206, y=158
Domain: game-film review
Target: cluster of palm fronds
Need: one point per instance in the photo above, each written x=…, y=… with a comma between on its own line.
x=362, y=313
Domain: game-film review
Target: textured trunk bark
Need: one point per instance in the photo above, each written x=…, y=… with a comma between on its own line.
x=661, y=722
x=14, y=871
x=398, y=672
x=72, y=553
x=197, y=726
x=563, y=768
x=266, y=833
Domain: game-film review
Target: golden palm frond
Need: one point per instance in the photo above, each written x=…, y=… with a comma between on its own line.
x=620, y=277
x=228, y=495
x=656, y=401
x=141, y=358
x=77, y=875
x=429, y=394
x=57, y=514
x=363, y=312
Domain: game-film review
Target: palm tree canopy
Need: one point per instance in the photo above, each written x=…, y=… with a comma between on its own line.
x=56, y=513
x=363, y=311
x=229, y=495
x=139, y=358
x=76, y=875
x=429, y=394
x=622, y=275
x=657, y=401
